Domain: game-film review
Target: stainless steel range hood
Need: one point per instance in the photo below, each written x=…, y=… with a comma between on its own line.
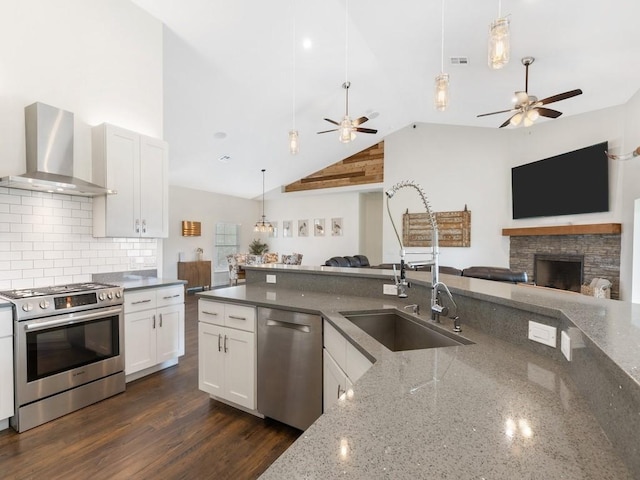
x=49, y=148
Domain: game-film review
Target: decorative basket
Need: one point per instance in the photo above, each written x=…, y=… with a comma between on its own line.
x=595, y=292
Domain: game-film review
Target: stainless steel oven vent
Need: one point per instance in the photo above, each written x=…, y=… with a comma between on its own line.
x=49, y=152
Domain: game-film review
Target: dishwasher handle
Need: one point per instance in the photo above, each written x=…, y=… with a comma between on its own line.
x=284, y=324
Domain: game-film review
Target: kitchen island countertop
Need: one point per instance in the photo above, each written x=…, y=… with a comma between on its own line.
x=487, y=410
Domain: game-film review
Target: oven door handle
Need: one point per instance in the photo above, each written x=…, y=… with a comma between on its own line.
x=41, y=325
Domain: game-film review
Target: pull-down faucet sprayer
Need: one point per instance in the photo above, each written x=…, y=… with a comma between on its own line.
x=437, y=308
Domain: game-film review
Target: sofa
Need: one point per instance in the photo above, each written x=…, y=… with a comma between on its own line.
x=355, y=261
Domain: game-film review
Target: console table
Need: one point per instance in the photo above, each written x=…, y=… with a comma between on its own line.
x=197, y=274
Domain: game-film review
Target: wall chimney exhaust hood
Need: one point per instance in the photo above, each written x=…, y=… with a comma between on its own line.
x=49, y=148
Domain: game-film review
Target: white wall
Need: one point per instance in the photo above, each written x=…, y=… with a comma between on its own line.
x=208, y=209
x=630, y=173
x=101, y=60
x=309, y=206
x=456, y=166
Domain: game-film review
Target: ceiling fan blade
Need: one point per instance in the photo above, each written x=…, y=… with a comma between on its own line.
x=561, y=96
x=332, y=121
x=547, y=112
x=359, y=121
x=493, y=113
x=508, y=121
x=365, y=130
x=327, y=131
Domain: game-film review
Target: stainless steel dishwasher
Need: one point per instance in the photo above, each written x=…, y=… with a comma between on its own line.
x=289, y=366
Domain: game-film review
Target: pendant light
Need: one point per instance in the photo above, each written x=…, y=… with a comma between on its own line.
x=262, y=225
x=441, y=99
x=294, y=146
x=499, y=44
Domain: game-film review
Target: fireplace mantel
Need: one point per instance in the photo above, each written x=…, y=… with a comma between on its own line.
x=590, y=229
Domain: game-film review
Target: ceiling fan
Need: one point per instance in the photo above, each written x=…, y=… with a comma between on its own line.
x=528, y=108
x=348, y=127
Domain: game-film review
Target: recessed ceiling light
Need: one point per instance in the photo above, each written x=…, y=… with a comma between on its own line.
x=307, y=44
x=220, y=135
x=224, y=159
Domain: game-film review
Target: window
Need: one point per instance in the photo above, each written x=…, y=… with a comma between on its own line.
x=227, y=243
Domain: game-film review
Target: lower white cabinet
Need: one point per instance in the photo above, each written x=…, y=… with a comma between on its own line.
x=343, y=365
x=6, y=366
x=153, y=327
x=227, y=352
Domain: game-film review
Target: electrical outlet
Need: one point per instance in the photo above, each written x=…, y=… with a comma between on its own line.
x=565, y=345
x=271, y=278
x=545, y=334
x=388, y=289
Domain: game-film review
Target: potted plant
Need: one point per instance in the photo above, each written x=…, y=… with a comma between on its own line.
x=257, y=247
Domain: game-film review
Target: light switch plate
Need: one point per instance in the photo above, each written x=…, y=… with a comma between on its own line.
x=271, y=279
x=545, y=334
x=388, y=289
x=565, y=345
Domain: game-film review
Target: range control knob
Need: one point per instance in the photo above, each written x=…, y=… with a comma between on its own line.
x=44, y=304
x=27, y=307
x=118, y=294
x=110, y=295
x=101, y=296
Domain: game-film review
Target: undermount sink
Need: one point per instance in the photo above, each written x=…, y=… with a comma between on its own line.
x=400, y=332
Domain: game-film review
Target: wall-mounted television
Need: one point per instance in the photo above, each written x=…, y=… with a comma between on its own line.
x=571, y=183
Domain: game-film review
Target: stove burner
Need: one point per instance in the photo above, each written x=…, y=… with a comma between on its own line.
x=53, y=290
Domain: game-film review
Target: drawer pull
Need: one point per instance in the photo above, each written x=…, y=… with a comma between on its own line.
x=210, y=313
x=141, y=301
x=171, y=296
x=234, y=317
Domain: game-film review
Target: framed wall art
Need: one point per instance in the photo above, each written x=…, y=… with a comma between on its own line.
x=336, y=227
x=318, y=227
x=303, y=228
x=287, y=228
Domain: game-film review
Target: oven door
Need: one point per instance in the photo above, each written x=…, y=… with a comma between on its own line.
x=55, y=354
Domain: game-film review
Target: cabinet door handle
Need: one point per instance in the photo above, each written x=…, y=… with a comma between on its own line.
x=210, y=313
x=154, y=321
x=137, y=227
x=225, y=344
x=141, y=301
x=144, y=226
x=219, y=346
x=171, y=296
x=235, y=317
x=341, y=390
x=160, y=320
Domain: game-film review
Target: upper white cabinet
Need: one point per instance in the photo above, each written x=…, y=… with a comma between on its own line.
x=136, y=166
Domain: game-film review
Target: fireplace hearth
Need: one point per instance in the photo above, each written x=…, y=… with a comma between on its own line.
x=564, y=272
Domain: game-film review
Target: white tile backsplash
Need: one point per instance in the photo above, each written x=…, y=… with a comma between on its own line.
x=45, y=239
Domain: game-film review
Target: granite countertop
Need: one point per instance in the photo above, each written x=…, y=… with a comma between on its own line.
x=487, y=410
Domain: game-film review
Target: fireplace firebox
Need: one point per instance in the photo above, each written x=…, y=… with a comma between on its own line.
x=564, y=272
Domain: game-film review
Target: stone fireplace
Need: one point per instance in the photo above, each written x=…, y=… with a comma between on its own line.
x=564, y=272
x=592, y=249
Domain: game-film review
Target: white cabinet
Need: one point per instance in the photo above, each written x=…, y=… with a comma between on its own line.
x=227, y=352
x=153, y=327
x=136, y=166
x=6, y=366
x=343, y=365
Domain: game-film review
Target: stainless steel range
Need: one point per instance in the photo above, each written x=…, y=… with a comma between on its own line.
x=69, y=350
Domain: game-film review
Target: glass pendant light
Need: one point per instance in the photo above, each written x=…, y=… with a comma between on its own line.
x=262, y=225
x=499, y=44
x=293, y=142
x=441, y=98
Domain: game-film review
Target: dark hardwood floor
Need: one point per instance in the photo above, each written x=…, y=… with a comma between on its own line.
x=162, y=427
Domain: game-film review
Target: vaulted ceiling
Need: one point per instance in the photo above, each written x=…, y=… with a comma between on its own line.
x=238, y=72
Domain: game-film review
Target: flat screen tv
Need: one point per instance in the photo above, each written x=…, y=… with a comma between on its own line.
x=571, y=183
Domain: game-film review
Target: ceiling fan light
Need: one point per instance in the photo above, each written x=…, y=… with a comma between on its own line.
x=441, y=98
x=499, y=43
x=516, y=119
x=346, y=130
x=533, y=115
x=294, y=146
